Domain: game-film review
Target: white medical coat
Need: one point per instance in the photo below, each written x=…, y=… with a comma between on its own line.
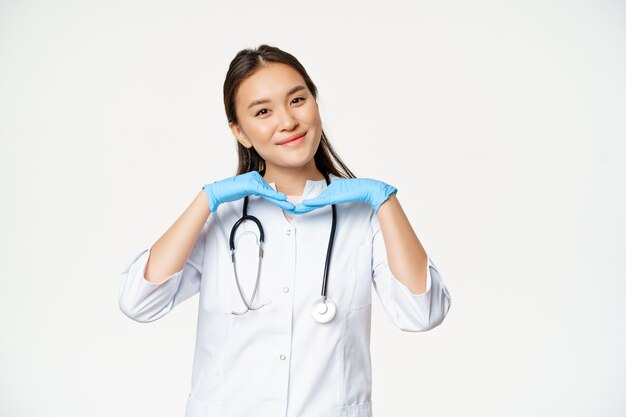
x=278, y=361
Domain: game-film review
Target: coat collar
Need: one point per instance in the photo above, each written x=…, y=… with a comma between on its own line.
x=312, y=188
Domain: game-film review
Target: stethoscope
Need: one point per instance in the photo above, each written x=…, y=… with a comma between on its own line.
x=323, y=309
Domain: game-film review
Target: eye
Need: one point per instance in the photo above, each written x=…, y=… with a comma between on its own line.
x=297, y=98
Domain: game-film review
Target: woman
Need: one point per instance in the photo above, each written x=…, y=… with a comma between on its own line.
x=275, y=346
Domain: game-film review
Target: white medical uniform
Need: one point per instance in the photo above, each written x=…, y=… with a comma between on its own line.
x=278, y=361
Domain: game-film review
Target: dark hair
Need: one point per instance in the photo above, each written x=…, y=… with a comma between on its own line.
x=245, y=63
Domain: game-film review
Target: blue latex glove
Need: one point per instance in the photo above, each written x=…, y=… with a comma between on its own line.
x=239, y=186
x=344, y=190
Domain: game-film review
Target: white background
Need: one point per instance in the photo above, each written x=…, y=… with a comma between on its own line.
x=500, y=123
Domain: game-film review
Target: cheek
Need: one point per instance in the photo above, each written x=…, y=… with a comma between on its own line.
x=262, y=131
x=261, y=136
x=311, y=116
x=265, y=148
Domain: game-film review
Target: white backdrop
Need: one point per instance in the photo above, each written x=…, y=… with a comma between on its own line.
x=502, y=124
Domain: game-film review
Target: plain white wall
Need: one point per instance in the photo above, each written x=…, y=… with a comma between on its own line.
x=501, y=124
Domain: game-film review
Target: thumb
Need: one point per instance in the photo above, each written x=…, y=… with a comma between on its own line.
x=317, y=201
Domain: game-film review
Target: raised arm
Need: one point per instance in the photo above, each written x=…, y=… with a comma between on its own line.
x=170, y=271
x=171, y=251
x=408, y=283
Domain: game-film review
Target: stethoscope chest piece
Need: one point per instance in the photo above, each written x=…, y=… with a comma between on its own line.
x=323, y=310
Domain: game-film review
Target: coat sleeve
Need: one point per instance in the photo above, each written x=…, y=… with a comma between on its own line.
x=145, y=301
x=407, y=311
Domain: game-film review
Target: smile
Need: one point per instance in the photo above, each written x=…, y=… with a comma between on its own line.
x=295, y=142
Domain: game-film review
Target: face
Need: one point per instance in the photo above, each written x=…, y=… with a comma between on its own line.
x=272, y=105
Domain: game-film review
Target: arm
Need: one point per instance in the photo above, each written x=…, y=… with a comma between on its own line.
x=170, y=252
x=406, y=255
x=160, y=277
x=412, y=292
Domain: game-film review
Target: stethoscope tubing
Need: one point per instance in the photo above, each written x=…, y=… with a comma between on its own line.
x=249, y=306
x=245, y=217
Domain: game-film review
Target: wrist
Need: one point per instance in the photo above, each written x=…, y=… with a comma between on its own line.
x=213, y=203
x=386, y=192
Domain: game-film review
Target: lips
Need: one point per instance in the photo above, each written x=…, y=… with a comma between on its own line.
x=294, y=137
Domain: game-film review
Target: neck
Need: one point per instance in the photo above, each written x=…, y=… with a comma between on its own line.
x=291, y=181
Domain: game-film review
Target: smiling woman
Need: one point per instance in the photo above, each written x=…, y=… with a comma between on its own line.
x=270, y=99
x=258, y=350
x=273, y=107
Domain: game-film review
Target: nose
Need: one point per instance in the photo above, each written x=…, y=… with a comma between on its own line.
x=287, y=120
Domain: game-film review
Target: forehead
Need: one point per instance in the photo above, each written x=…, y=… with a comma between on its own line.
x=270, y=81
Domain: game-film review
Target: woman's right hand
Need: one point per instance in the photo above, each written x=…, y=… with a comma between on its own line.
x=239, y=186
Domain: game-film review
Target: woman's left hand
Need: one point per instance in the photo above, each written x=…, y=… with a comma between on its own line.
x=345, y=190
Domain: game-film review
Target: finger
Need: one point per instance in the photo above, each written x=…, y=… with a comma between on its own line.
x=280, y=196
x=265, y=190
x=316, y=202
x=271, y=193
x=300, y=209
x=327, y=200
x=324, y=199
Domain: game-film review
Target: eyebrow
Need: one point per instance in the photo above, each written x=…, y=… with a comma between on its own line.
x=265, y=100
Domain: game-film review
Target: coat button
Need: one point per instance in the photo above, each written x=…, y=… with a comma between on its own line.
x=285, y=289
x=288, y=232
x=282, y=357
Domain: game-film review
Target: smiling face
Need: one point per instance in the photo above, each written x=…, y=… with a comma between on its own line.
x=272, y=105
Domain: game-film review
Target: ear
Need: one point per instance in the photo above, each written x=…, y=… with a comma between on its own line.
x=239, y=135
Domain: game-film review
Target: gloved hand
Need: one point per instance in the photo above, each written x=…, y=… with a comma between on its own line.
x=344, y=190
x=239, y=186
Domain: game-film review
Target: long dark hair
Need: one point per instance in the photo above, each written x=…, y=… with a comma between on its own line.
x=242, y=66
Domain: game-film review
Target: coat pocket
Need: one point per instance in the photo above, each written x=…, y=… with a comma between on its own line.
x=360, y=289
